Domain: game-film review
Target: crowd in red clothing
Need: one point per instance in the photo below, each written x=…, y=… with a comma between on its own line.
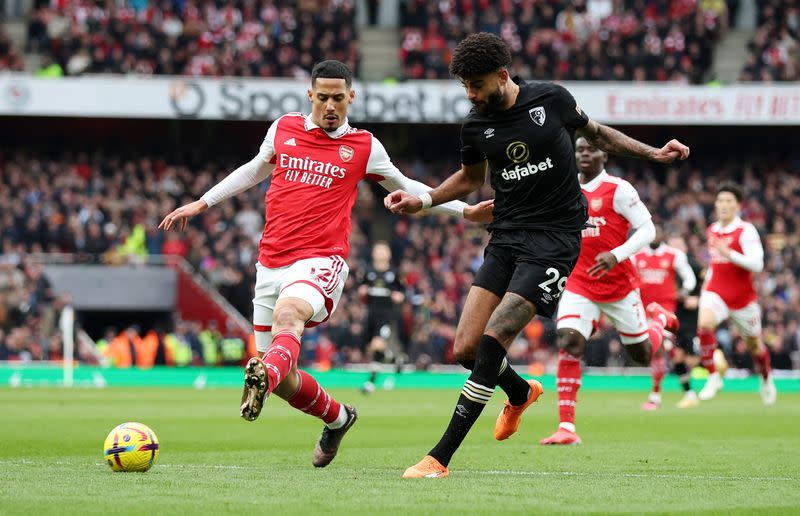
x=582, y=40
x=262, y=38
x=774, y=52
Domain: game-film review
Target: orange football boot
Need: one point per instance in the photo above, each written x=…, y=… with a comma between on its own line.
x=509, y=419
x=428, y=467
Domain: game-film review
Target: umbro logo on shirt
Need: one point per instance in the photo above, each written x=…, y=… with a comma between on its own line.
x=291, y=142
x=489, y=133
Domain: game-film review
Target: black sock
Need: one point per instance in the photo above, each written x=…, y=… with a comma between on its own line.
x=515, y=387
x=683, y=376
x=476, y=393
x=513, y=384
x=372, y=376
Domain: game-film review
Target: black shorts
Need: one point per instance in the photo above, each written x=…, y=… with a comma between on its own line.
x=532, y=264
x=685, y=341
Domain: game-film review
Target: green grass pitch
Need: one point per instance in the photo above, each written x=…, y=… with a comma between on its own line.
x=731, y=455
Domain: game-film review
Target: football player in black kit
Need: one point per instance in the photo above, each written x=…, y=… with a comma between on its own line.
x=523, y=133
x=382, y=290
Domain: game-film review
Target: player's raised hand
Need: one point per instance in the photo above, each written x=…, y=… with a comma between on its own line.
x=402, y=202
x=180, y=218
x=603, y=263
x=480, y=213
x=671, y=151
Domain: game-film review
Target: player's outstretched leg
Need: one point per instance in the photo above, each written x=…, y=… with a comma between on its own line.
x=661, y=319
x=568, y=380
x=477, y=391
x=658, y=367
x=708, y=345
x=689, y=398
x=761, y=358
x=478, y=309
x=315, y=401
x=262, y=375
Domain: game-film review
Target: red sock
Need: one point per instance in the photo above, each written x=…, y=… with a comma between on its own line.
x=708, y=344
x=659, y=367
x=655, y=332
x=763, y=361
x=313, y=400
x=568, y=380
x=281, y=357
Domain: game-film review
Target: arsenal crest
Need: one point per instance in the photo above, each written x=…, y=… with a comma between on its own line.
x=538, y=115
x=596, y=204
x=345, y=152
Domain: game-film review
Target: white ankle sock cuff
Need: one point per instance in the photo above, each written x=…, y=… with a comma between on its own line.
x=340, y=420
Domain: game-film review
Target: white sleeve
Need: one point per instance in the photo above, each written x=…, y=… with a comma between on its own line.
x=628, y=204
x=684, y=270
x=247, y=175
x=752, y=255
x=643, y=235
x=391, y=179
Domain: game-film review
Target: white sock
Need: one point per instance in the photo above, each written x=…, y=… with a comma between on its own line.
x=567, y=426
x=340, y=420
x=655, y=397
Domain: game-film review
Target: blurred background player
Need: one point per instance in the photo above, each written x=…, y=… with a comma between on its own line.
x=735, y=253
x=659, y=266
x=316, y=162
x=382, y=291
x=686, y=351
x=523, y=134
x=604, y=282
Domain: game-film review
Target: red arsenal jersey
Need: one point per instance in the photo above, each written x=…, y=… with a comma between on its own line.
x=312, y=192
x=734, y=284
x=614, y=207
x=315, y=177
x=657, y=281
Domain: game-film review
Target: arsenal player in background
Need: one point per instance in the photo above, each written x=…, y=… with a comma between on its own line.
x=735, y=253
x=316, y=162
x=604, y=281
x=659, y=266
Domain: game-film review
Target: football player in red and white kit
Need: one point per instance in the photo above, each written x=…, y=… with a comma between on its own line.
x=604, y=281
x=316, y=162
x=659, y=265
x=735, y=253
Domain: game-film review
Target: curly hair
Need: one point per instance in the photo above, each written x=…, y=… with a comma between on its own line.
x=479, y=54
x=731, y=188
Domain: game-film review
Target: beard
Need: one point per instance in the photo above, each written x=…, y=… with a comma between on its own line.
x=492, y=103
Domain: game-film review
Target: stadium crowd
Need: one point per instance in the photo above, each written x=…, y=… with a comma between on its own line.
x=774, y=52
x=587, y=40
x=106, y=208
x=263, y=38
x=10, y=56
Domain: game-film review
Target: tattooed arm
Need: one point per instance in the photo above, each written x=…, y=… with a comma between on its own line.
x=616, y=142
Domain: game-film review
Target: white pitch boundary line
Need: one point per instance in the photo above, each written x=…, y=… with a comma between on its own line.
x=498, y=472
